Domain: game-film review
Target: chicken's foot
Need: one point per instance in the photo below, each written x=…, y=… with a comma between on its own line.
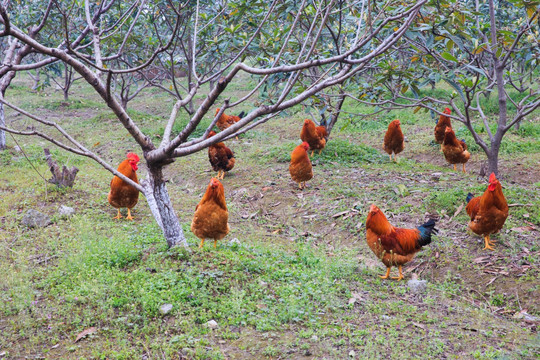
x=320, y=151
x=400, y=274
x=119, y=216
x=387, y=274
x=488, y=243
x=455, y=169
x=215, y=244
x=129, y=217
x=312, y=151
x=201, y=244
x=390, y=157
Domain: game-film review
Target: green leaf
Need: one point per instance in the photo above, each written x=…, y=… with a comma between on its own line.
x=449, y=57
x=456, y=86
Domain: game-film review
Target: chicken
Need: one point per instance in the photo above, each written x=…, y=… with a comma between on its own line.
x=395, y=246
x=123, y=195
x=315, y=136
x=220, y=156
x=444, y=122
x=488, y=212
x=227, y=120
x=211, y=214
x=454, y=150
x=393, y=139
x=300, y=167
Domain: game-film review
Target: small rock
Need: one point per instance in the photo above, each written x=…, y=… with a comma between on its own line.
x=314, y=338
x=436, y=176
x=212, y=324
x=417, y=286
x=352, y=353
x=262, y=283
x=165, y=309
x=234, y=241
x=65, y=211
x=17, y=149
x=35, y=219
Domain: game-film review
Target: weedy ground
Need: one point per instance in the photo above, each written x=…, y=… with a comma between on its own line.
x=300, y=282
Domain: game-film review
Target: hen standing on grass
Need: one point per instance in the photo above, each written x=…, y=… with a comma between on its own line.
x=300, y=167
x=211, y=214
x=487, y=212
x=395, y=246
x=454, y=150
x=225, y=120
x=393, y=139
x=444, y=122
x=315, y=136
x=220, y=156
x=123, y=195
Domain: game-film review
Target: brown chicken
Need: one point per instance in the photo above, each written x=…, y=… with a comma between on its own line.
x=123, y=195
x=300, y=167
x=220, y=156
x=488, y=212
x=395, y=246
x=393, y=139
x=444, y=122
x=211, y=214
x=454, y=150
x=227, y=120
x=315, y=136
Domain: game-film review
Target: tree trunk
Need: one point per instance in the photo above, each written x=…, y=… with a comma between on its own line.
x=2, y=123
x=161, y=206
x=36, y=80
x=335, y=116
x=493, y=156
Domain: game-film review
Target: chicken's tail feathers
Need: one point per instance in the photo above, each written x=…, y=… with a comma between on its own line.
x=426, y=230
x=469, y=197
x=241, y=115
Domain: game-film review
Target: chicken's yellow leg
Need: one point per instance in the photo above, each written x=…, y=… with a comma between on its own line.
x=215, y=244
x=118, y=216
x=455, y=169
x=400, y=274
x=222, y=174
x=487, y=243
x=390, y=157
x=320, y=150
x=464, y=168
x=129, y=217
x=395, y=158
x=312, y=151
x=201, y=244
x=387, y=274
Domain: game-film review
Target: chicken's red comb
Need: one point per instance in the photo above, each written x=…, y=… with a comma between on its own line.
x=373, y=207
x=492, y=178
x=447, y=111
x=133, y=156
x=305, y=144
x=214, y=182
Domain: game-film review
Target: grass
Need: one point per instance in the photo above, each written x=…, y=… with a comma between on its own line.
x=284, y=289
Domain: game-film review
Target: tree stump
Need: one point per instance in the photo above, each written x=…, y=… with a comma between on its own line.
x=61, y=178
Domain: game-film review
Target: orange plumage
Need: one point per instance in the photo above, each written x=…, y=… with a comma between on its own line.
x=315, y=136
x=227, y=120
x=444, y=122
x=300, y=166
x=488, y=212
x=211, y=214
x=123, y=195
x=393, y=139
x=395, y=246
x=454, y=150
x=221, y=157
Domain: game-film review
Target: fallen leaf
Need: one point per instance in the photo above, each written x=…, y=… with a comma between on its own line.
x=340, y=214
x=85, y=332
x=458, y=210
x=521, y=229
x=481, y=259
